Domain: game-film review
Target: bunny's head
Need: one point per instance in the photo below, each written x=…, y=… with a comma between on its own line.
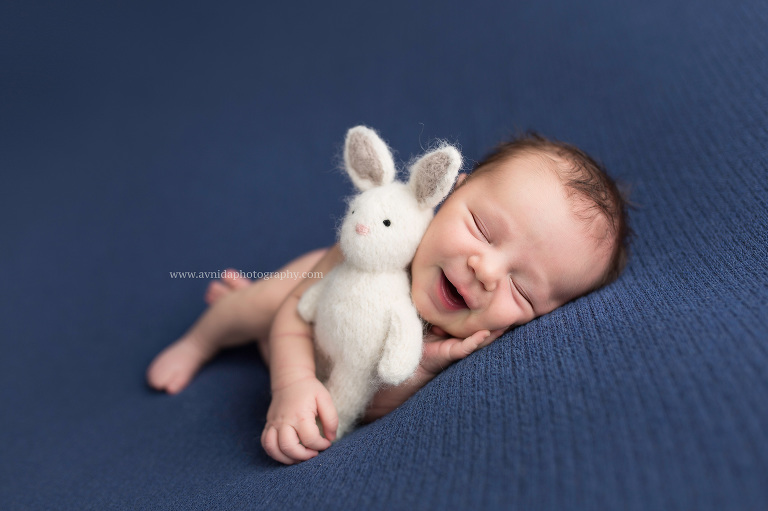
x=385, y=223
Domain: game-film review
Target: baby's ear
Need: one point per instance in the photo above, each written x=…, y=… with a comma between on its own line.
x=367, y=159
x=433, y=175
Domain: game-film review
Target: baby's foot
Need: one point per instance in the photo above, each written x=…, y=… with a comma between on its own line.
x=174, y=367
x=231, y=281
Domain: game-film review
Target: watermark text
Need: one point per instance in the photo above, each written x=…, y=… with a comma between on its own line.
x=253, y=275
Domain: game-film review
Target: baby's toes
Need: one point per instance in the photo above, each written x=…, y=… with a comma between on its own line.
x=167, y=376
x=158, y=374
x=175, y=367
x=162, y=370
x=234, y=279
x=176, y=382
x=216, y=290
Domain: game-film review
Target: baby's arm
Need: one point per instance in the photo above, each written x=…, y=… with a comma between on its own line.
x=439, y=352
x=291, y=433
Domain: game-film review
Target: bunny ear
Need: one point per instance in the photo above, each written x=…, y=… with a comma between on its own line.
x=433, y=174
x=367, y=159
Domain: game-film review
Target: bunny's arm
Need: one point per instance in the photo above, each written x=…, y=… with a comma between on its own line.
x=307, y=306
x=402, y=348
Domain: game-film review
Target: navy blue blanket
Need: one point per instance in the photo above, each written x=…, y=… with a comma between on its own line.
x=143, y=138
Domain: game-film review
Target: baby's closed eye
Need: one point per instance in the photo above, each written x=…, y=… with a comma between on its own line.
x=480, y=228
x=516, y=287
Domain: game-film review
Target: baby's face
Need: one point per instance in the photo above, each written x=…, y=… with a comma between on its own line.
x=502, y=250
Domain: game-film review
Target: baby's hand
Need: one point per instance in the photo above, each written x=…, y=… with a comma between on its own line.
x=291, y=434
x=440, y=351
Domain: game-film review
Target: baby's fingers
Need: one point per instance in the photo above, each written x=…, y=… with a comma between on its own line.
x=284, y=446
x=310, y=437
x=329, y=418
x=291, y=446
x=269, y=441
x=440, y=354
x=468, y=346
x=495, y=334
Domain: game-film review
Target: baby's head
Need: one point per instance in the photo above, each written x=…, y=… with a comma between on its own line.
x=537, y=224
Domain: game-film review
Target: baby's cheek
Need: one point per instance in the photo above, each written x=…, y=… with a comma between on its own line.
x=419, y=299
x=500, y=319
x=462, y=327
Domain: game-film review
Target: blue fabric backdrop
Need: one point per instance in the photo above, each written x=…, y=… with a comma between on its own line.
x=140, y=138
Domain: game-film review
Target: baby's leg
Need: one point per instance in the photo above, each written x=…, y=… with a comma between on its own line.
x=234, y=319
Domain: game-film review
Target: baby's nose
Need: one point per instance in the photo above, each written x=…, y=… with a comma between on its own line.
x=361, y=229
x=485, y=272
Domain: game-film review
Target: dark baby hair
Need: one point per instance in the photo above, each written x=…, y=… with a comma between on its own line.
x=584, y=178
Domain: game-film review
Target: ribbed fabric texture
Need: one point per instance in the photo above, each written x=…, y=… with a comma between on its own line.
x=137, y=140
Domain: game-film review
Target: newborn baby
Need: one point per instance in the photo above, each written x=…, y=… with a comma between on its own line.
x=537, y=224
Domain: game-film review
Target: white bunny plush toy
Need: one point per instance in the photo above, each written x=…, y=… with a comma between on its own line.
x=366, y=326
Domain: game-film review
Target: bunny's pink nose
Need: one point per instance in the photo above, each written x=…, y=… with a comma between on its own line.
x=361, y=229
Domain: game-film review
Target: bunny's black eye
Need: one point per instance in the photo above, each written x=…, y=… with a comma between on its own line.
x=387, y=223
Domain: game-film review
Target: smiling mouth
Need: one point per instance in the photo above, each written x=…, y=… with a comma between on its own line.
x=450, y=296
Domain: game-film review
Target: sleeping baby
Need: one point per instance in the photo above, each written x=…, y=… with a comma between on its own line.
x=536, y=224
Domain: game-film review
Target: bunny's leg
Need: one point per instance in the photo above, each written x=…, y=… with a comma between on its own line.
x=351, y=389
x=235, y=318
